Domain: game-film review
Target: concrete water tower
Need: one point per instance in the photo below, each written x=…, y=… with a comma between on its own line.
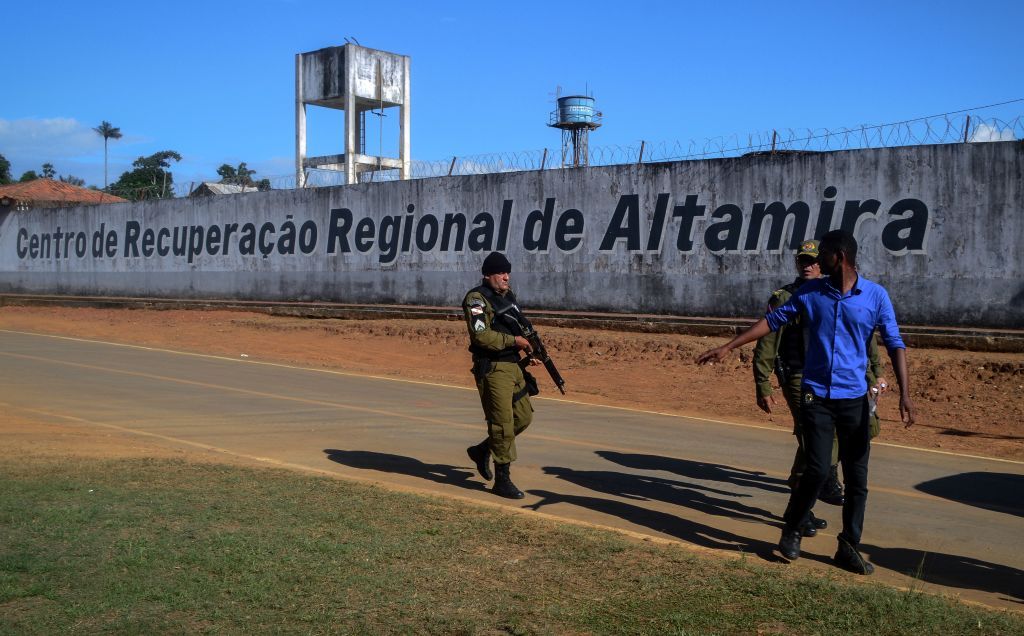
x=575, y=116
x=354, y=79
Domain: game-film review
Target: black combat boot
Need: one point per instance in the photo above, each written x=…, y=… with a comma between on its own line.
x=789, y=544
x=813, y=525
x=832, y=491
x=481, y=456
x=503, y=486
x=848, y=558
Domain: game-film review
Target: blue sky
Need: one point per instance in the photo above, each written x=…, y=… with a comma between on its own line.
x=215, y=81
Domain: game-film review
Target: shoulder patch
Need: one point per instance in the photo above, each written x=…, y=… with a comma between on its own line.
x=479, y=326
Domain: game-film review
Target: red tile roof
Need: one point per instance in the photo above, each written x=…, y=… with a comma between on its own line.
x=50, y=193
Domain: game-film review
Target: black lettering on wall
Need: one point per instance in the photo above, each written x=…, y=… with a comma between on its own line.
x=132, y=230
x=97, y=240
x=364, y=234
x=179, y=241
x=407, y=230
x=481, y=237
x=625, y=224
x=853, y=211
x=148, y=241
x=162, y=248
x=337, y=233
x=537, y=230
x=456, y=223
x=22, y=237
x=307, y=237
x=569, y=230
x=689, y=211
x=658, y=223
x=213, y=240
x=777, y=214
x=825, y=213
x=267, y=239
x=195, y=241
x=506, y=218
x=388, y=238
x=725, y=235
x=286, y=242
x=229, y=229
x=426, y=233
x=906, y=234
x=247, y=242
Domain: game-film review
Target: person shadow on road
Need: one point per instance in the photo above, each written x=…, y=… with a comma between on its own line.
x=399, y=464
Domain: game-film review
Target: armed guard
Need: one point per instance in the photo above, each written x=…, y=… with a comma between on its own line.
x=495, y=324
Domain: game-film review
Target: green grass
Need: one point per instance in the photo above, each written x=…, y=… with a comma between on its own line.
x=162, y=546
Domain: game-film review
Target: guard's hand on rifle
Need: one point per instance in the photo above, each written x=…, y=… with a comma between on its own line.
x=524, y=344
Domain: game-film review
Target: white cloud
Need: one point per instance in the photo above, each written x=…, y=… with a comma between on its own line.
x=72, y=147
x=984, y=132
x=49, y=139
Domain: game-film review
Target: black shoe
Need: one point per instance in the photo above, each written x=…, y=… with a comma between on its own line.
x=812, y=526
x=832, y=490
x=849, y=559
x=503, y=486
x=819, y=524
x=481, y=456
x=789, y=544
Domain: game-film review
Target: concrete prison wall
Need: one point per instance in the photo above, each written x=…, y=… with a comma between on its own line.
x=940, y=226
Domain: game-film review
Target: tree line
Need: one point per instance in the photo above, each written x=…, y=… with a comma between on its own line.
x=149, y=178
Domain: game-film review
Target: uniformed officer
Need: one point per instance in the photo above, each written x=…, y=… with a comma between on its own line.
x=492, y=317
x=782, y=352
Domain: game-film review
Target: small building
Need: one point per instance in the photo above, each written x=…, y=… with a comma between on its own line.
x=47, y=193
x=211, y=188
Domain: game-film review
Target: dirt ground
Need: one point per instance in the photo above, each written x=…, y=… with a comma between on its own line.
x=966, y=402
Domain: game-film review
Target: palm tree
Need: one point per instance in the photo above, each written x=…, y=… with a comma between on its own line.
x=107, y=131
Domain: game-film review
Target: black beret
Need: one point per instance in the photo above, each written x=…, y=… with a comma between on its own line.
x=496, y=263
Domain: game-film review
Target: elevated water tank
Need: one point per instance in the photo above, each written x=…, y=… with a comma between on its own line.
x=576, y=109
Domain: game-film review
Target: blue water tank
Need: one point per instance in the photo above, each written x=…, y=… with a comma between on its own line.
x=576, y=109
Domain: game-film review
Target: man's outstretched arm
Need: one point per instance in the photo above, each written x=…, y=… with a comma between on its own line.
x=755, y=331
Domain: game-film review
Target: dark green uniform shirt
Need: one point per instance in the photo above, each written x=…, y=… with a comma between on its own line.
x=485, y=337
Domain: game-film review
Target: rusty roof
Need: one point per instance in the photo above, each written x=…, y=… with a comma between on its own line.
x=47, y=191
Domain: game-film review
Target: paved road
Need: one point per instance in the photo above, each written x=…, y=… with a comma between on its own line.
x=956, y=522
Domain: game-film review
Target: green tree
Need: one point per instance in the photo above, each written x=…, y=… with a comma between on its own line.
x=107, y=131
x=48, y=171
x=149, y=179
x=72, y=180
x=5, y=171
x=241, y=175
x=29, y=175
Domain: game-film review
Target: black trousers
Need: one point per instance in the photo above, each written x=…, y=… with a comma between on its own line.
x=848, y=421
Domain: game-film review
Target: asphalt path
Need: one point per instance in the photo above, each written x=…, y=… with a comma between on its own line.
x=936, y=522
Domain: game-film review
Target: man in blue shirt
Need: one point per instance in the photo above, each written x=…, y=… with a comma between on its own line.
x=839, y=313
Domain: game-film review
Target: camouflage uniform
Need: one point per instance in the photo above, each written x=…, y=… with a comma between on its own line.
x=499, y=378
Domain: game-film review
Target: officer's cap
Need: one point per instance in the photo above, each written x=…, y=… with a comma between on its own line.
x=496, y=263
x=808, y=248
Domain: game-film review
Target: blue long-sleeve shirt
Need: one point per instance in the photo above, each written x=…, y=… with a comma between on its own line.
x=836, y=329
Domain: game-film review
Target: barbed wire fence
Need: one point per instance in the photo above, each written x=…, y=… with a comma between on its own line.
x=964, y=126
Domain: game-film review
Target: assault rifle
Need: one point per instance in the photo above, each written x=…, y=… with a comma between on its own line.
x=537, y=349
